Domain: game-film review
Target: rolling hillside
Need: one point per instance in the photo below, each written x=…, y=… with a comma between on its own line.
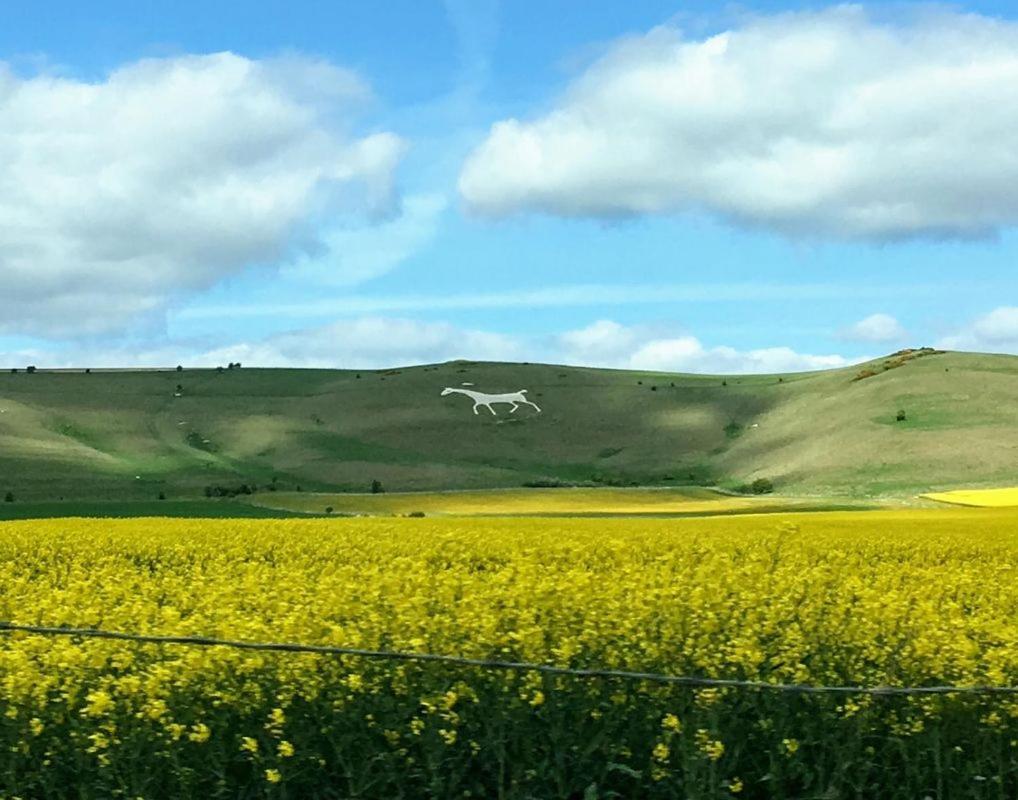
x=126, y=435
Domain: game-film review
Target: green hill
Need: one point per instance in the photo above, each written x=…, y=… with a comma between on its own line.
x=125, y=435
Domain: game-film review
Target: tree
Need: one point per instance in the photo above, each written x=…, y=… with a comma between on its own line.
x=762, y=486
x=179, y=368
x=328, y=509
x=9, y=497
x=376, y=487
x=162, y=495
x=900, y=416
x=30, y=368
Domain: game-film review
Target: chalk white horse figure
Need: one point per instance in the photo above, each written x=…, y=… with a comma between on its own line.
x=486, y=400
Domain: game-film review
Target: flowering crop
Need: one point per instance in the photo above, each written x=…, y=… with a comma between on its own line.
x=983, y=498
x=896, y=598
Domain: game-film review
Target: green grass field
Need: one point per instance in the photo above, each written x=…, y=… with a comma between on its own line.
x=126, y=437
x=538, y=502
x=198, y=509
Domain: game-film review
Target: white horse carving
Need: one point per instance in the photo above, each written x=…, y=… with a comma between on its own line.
x=486, y=400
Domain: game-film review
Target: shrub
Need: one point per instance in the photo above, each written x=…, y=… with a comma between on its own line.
x=9, y=497
x=900, y=416
x=416, y=514
x=863, y=374
x=376, y=487
x=544, y=483
x=162, y=495
x=229, y=491
x=762, y=486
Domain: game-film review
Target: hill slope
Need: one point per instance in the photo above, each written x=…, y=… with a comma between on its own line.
x=123, y=435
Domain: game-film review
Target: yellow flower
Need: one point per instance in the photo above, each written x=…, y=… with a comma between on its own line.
x=661, y=752
x=97, y=703
x=249, y=744
x=199, y=733
x=273, y=775
x=791, y=746
x=735, y=785
x=671, y=723
x=712, y=748
x=285, y=749
x=537, y=699
x=449, y=737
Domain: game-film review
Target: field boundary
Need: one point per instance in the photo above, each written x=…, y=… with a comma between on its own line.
x=518, y=666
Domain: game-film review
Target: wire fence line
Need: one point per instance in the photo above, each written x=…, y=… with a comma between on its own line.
x=497, y=664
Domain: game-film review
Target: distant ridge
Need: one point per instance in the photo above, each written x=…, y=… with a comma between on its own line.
x=914, y=421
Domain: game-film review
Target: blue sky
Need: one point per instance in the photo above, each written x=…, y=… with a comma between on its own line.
x=648, y=184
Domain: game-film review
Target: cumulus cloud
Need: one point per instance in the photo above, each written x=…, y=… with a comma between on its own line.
x=604, y=343
x=994, y=332
x=369, y=342
x=169, y=175
x=363, y=343
x=876, y=328
x=608, y=344
x=375, y=342
x=809, y=123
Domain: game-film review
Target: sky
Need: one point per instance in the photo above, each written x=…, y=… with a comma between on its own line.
x=649, y=185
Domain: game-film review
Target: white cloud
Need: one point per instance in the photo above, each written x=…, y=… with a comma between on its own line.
x=825, y=123
x=357, y=254
x=602, y=342
x=876, y=328
x=995, y=332
x=609, y=344
x=369, y=342
x=378, y=342
x=169, y=175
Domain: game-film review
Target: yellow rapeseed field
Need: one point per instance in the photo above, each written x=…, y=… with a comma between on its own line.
x=984, y=498
x=895, y=598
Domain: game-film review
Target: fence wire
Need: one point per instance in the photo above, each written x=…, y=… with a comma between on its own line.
x=497, y=664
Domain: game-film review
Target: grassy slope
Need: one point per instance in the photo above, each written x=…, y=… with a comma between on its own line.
x=124, y=436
